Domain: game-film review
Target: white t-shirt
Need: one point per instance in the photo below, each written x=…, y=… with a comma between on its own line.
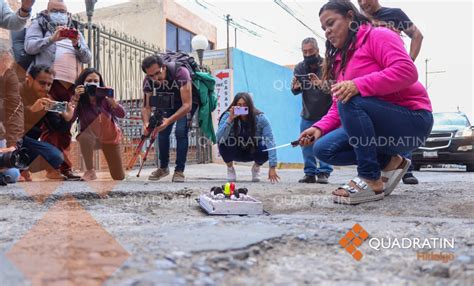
x=66, y=65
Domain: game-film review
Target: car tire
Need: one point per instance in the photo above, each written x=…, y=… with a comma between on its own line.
x=470, y=167
x=416, y=167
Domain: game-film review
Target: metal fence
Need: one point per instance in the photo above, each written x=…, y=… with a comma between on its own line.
x=118, y=57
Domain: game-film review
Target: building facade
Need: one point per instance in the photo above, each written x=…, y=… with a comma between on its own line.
x=163, y=23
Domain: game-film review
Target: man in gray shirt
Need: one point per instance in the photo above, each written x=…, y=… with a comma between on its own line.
x=15, y=21
x=316, y=104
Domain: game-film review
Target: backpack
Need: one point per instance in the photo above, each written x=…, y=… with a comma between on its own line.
x=23, y=59
x=182, y=59
x=176, y=60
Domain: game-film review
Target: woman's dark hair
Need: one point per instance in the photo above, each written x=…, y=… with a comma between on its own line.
x=81, y=79
x=342, y=7
x=252, y=116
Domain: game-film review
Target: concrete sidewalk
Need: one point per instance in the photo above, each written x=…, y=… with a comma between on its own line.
x=159, y=235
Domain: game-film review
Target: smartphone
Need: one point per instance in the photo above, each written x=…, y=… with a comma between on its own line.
x=102, y=92
x=70, y=33
x=99, y=92
x=241, y=110
x=58, y=106
x=303, y=77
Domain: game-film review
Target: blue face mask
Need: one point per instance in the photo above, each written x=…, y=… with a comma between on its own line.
x=58, y=18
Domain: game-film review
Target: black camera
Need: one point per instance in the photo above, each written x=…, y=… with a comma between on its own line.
x=155, y=120
x=18, y=159
x=99, y=92
x=162, y=100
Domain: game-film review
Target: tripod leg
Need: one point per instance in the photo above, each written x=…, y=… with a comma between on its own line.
x=137, y=152
x=152, y=140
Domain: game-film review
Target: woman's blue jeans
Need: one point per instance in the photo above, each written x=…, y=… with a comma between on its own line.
x=372, y=132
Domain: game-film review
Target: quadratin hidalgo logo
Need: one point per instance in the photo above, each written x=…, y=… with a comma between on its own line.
x=353, y=239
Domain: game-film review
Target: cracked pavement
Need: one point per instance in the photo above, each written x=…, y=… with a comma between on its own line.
x=168, y=240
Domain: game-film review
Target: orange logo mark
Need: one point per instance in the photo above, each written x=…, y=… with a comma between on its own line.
x=353, y=239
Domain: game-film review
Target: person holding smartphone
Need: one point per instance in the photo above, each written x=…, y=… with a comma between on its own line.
x=55, y=41
x=97, y=116
x=39, y=119
x=243, y=134
x=316, y=103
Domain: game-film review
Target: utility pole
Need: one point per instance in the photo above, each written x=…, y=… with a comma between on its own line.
x=429, y=72
x=228, y=19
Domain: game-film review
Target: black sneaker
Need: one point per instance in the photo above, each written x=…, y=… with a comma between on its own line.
x=409, y=179
x=70, y=176
x=323, y=178
x=308, y=179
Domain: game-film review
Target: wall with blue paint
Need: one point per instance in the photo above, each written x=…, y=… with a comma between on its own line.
x=270, y=85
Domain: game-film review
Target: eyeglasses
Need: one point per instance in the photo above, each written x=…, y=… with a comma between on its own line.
x=157, y=73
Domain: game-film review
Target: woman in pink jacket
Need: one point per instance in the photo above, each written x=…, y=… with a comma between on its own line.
x=379, y=110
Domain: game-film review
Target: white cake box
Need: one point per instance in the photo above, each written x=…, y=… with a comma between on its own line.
x=250, y=206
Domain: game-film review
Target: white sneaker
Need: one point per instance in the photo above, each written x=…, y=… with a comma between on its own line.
x=255, y=173
x=89, y=175
x=231, y=175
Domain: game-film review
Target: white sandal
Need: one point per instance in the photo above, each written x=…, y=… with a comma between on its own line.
x=392, y=178
x=362, y=193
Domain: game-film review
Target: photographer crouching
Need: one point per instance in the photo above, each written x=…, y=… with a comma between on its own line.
x=41, y=114
x=97, y=113
x=11, y=110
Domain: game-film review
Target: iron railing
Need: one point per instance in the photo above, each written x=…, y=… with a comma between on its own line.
x=118, y=58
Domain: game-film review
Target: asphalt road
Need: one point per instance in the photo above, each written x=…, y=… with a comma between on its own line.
x=138, y=232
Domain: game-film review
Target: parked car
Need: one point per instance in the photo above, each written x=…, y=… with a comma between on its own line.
x=450, y=142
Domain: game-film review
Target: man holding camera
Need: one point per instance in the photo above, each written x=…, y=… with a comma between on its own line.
x=168, y=88
x=38, y=117
x=56, y=43
x=316, y=104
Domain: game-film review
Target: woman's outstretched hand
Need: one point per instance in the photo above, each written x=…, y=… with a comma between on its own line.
x=272, y=175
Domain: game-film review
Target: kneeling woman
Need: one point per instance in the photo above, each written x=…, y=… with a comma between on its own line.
x=243, y=138
x=97, y=118
x=380, y=110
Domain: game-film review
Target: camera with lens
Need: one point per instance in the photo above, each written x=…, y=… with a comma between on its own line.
x=155, y=120
x=98, y=92
x=18, y=159
x=162, y=100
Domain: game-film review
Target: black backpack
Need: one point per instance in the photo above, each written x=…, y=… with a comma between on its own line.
x=182, y=59
x=175, y=60
x=22, y=58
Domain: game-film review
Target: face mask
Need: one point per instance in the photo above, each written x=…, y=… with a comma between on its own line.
x=311, y=60
x=97, y=84
x=58, y=18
